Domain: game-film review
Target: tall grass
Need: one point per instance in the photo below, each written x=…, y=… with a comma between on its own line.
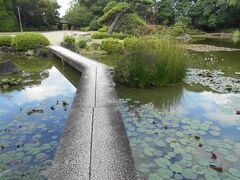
x=152, y=63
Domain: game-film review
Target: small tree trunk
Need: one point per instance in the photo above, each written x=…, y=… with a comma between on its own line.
x=115, y=22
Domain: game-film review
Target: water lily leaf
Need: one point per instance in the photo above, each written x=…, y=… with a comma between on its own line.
x=144, y=168
x=165, y=173
x=189, y=174
x=234, y=172
x=154, y=177
x=162, y=162
x=214, y=133
x=187, y=157
x=176, y=168
x=149, y=151
x=203, y=162
x=198, y=169
x=231, y=158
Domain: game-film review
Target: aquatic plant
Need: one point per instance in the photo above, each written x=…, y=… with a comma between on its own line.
x=6, y=83
x=186, y=149
x=151, y=63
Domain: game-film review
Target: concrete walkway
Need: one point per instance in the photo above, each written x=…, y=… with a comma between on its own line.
x=94, y=144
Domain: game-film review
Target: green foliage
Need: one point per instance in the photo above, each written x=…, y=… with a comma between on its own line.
x=178, y=29
x=130, y=23
x=103, y=29
x=85, y=29
x=6, y=40
x=94, y=25
x=8, y=20
x=236, y=36
x=106, y=35
x=120, y=7
x=27, y=41
x=131, y=44
x=79, y=16
x=151, y=63
x=109, y=6
x=82, y=43
x=69, y=39
x=95, y=46
x=112, y=46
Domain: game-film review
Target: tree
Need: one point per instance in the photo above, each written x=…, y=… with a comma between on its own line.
x=8, y=20
x=115, y=11
x=79, y=15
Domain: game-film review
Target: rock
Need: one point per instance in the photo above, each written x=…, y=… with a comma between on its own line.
x=7, y=67
x=29, y=53
x=6, y=49
x=184, y=38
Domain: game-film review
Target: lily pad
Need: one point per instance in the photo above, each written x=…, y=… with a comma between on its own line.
x=144, y=168
x=176, y=168
x=198, y=169
x=234, y=172
x=154, y=177
x=189, y=174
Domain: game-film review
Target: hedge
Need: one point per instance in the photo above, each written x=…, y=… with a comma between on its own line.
x=28, y=41
x=6, y=40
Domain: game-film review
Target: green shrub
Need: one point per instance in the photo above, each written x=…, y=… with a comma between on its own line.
x=82, y=43
x=69, y=39
x=6, y=40
x=69, y=45
x=112, y=46
x=85, y=29
x=178, y=29
x=130, y=44
x=95, y=46
x=103, y=29
x=106, y=35
x=94, y=25
x=27, y=41
x=152, y=63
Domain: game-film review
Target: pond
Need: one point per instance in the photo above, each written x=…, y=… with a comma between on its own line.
x=186, y=131
x=33, y=115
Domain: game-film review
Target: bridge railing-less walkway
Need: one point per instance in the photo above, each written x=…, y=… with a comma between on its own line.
x=94, y=144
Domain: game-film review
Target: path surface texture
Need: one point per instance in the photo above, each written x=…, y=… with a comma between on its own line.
x=94, y=144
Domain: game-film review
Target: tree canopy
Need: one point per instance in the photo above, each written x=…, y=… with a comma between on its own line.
x=35, y=14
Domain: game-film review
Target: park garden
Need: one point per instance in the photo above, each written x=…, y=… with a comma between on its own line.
x=176, y=69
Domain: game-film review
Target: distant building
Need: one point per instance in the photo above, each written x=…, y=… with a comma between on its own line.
x=64, y=24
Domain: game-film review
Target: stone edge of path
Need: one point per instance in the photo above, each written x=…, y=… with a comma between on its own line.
x=94, y=144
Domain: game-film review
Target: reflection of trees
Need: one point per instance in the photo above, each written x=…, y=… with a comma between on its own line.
x=164, y=98
x=32, y=71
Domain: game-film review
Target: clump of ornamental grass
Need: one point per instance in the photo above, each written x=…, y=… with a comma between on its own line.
x=152, y=63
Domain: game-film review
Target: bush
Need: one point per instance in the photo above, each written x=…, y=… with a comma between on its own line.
x=27, y=41
x=106, y=35
x=6, y=40
x=103, y=29
x=130, y=44
x=70, y=46
x=94, y=25
x=178, y=29
x=85, y=29
x=152, y=63
x=95, y=46
x=69, y=39
x=82, y=43
x=112, y=46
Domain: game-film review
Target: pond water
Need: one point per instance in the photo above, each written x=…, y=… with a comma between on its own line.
x=33, y=115
x=185, y=131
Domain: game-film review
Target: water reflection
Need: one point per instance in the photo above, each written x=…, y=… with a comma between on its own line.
x=163, y=98
x=28, y=141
